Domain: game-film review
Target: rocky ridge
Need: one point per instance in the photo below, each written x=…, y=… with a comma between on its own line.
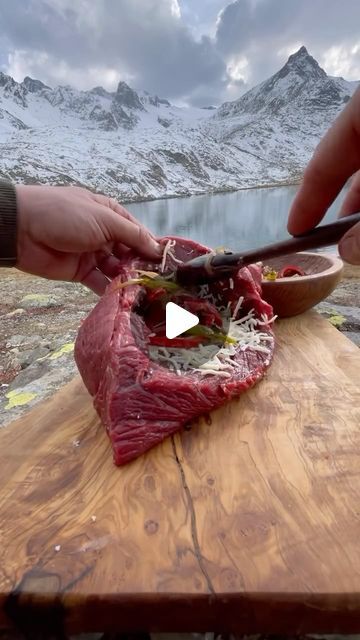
x=136, y=146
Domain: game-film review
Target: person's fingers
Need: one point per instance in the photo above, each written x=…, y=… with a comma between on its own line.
x=119, y=209
x=351, y=202
x=96, y=281
x=120, y=250
x=335, y=160
x=117, y=228
x=349, y=246
x=146, y=245
x=108, y=264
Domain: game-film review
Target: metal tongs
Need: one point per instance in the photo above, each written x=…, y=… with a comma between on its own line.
x=210, y=266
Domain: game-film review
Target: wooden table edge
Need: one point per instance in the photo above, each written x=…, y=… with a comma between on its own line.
x=245, y=613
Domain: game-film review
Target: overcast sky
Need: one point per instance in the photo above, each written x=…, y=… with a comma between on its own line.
x=197, y=52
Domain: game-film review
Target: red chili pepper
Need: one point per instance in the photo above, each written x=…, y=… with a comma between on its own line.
x=156, y=294
x=207, y=312
x=290, y=270
x=154, y=310
x=181, y=343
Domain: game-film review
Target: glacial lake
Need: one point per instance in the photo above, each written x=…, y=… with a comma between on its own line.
x=240, y=220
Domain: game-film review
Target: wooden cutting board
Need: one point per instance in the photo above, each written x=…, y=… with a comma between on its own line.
x=250, y=523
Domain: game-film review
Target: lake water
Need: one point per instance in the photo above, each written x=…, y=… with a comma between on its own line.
x=241, y=220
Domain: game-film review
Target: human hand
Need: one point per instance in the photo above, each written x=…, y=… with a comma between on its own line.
x=335, y=160
x=69, y=233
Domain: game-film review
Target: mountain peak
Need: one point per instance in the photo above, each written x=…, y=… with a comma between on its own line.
x=265, y=137
x=33, y=85
x=300, y=52
x=100, y=91
x=300, y=81
x=302, y=63
x=127, y=97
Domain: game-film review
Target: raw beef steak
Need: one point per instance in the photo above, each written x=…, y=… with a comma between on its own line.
x=142, y=400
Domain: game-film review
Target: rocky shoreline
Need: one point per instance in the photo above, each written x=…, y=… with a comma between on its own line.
x=40, y=320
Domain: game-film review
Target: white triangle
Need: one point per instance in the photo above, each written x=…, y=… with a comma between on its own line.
x=178, y=320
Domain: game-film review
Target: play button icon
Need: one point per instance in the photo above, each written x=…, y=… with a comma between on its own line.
x=178, y=320
x=161, y=329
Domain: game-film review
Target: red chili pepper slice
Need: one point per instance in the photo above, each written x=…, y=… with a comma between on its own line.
x=156, y=294
x=290, y=270
x=207, y=312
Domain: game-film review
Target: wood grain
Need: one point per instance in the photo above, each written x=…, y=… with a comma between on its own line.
x=250, y=523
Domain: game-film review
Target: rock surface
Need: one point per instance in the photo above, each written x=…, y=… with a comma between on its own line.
x=37, y=334
x=38, y=301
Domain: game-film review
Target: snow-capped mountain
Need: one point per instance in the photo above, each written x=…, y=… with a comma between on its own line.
x=282, y=119
x=134, y=145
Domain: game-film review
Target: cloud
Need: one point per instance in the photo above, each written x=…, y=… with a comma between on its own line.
x=196, y=51
x=21, y=63
x=145, y=40
x=265, y=32
x=341, y=60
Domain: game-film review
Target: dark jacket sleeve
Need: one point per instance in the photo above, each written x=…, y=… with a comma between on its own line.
x=8, y=226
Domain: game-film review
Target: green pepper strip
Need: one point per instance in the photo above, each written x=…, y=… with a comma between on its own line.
x=210, y=334
x=168, y=285
x=151, y=283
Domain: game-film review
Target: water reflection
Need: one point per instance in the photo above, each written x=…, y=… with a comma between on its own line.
x=240, y=220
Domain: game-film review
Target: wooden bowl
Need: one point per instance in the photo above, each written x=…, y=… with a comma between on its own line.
x=291, y=296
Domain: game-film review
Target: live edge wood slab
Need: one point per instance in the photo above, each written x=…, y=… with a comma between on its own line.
x=248, y=524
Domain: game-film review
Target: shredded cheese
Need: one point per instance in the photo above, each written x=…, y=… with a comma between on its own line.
x=213, y=372
x=237, y=306
x=207, y=359
x=168, y=246
x=168, y=251
x=204, y=290
x=175, y=259
x=243, y=331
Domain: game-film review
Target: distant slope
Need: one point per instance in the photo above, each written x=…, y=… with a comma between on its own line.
x=135, y=146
